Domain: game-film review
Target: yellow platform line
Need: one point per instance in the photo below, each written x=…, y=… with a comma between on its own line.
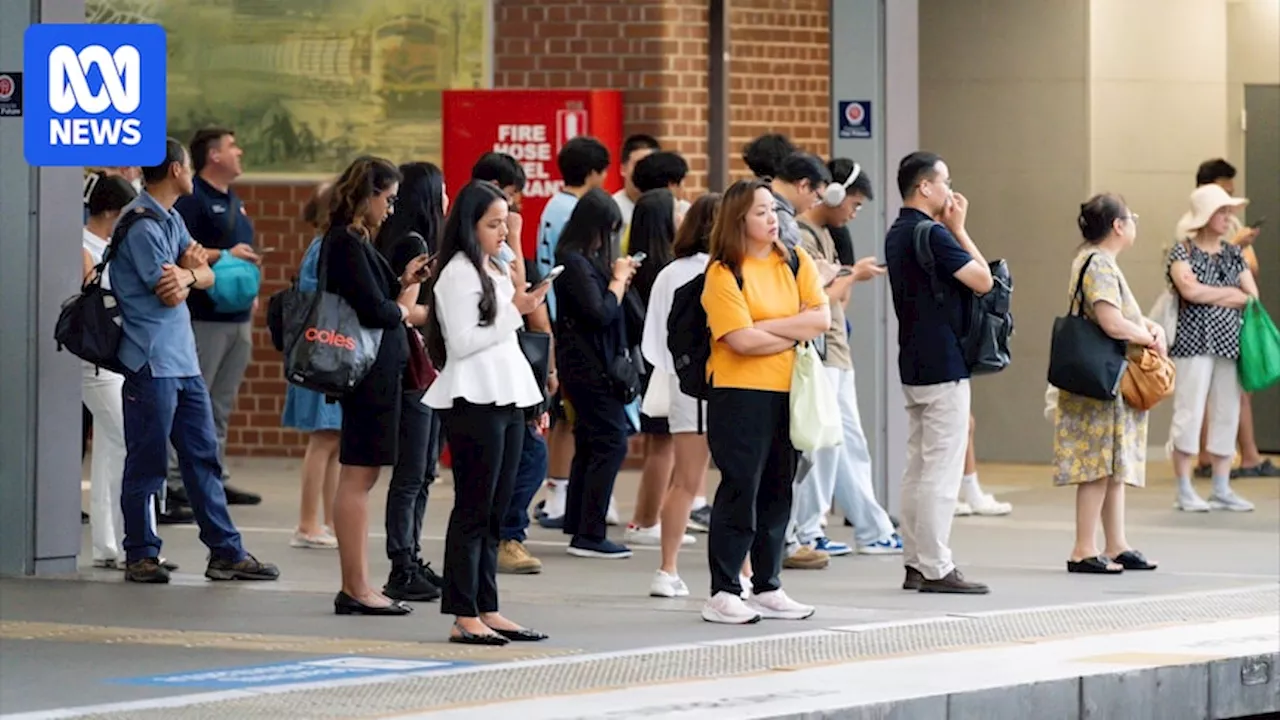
x=260, y=642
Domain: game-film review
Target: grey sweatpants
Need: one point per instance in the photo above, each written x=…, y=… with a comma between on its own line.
x=224, y=350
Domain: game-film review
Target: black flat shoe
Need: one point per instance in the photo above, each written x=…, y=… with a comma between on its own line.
x=1096, y=565
x=1134, y=560
x=466, y=637
x=344, y=604
x=522, y=635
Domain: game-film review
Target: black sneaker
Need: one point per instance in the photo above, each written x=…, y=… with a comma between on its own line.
x=424, y=569
x=176, y=515
x=146, y=570
x=700, y=520
x=407, y=583
x=236, y=496
x=84, y=518
x=953, y=584
x=247, y=569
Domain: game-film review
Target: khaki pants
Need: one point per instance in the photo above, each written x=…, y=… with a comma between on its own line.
x=938, y=432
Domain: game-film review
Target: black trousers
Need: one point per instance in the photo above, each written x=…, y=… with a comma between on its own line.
x=485, y=443
x=749, y=433
x=600, y=433
x=408, y=490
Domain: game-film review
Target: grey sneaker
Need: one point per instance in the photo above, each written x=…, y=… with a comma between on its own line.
x=1230, y=502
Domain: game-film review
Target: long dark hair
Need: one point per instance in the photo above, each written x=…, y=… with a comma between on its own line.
x=419, y=208
x=460, y=237
x=591, y=229
x=653, y=228
x=365, y=177
x=694, y=234
x=728, y=234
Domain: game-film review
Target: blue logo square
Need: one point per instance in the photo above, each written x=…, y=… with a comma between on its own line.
x=94, y=95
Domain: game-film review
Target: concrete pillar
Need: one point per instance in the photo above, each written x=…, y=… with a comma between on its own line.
x=874, y=58
x=39, y=386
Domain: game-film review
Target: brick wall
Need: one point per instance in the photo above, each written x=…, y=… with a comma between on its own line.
x=653, y=50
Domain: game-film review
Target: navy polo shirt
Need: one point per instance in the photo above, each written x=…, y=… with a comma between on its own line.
x=217, y=221
x=928, y=350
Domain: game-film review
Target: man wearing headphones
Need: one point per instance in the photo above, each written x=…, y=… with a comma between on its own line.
x=842, y=472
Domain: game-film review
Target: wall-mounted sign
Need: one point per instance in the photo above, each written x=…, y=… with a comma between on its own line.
x=10, y=94
x=855, y=119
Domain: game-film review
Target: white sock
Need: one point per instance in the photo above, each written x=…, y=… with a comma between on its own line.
x=699, y=502
x=969, y=487
x=559, y=492
x=1185, y=488
x=1222, y=486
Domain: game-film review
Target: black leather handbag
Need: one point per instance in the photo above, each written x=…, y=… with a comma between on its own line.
x=1083, y=359
x=536, y=347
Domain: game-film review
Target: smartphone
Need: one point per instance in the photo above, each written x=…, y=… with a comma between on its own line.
x=842, y=272
x=639, y=257
x=882, y=264
x=1257, y=223
x=551, y=276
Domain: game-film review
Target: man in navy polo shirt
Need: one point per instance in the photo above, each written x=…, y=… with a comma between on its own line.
x=155, y=268
x=935, y=376
x=216, y=219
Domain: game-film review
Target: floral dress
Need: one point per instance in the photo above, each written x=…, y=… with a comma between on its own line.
x=1094, y=439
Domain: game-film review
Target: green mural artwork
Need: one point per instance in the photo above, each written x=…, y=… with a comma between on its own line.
x=309, y=84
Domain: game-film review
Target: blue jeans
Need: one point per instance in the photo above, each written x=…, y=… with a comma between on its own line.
x=533, y=468
x=158, y=411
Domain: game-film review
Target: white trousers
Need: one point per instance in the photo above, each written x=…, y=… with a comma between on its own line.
x=1205, y=379
x=106, y=470
x=841, y=473
x=938, y=433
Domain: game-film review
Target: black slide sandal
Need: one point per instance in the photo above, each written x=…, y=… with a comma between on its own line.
x=1134, y=560
x=1096, y=565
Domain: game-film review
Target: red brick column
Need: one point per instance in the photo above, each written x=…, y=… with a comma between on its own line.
x=653, y=50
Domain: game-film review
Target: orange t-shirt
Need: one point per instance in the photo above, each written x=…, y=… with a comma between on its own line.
x=769, y=290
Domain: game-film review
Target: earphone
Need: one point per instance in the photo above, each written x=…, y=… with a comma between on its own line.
x=837, y=192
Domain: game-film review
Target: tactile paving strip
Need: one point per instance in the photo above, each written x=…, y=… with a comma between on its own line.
x=586, y=674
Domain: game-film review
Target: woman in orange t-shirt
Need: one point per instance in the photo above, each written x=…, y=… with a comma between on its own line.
x=758, y=310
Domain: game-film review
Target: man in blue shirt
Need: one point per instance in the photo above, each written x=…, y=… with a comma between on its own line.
x=935, y=376
x=216, y=219
x=152, y=273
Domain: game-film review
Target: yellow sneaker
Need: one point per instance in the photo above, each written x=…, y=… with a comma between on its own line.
x=806, y=558
x=514, y=559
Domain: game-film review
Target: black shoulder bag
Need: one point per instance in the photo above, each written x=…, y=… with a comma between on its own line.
x=1083, y=359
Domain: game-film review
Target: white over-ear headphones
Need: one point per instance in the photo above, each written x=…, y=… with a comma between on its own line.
x=837, y=192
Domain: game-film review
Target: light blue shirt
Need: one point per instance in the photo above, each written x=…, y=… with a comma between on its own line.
x=554, y=216
x=154, y=333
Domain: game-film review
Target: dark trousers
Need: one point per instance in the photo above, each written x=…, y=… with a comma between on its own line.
x=159, y=411
x=749, y=433
x=600, y=433
x=529, y=476
x=409, y=487
x=484, y=442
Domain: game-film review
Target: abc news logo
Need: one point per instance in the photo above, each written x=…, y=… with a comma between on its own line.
x=69, y=91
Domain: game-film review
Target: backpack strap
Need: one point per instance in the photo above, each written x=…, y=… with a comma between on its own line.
x=121, y=231
x=924, y=258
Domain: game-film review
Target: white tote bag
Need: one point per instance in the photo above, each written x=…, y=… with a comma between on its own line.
x=1165, y=314
x=815, y=413
x=657, y=399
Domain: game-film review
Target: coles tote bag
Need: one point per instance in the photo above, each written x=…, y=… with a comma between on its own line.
x=1259, y=363
x=332, y=351
x=1084, y=360
x=815, y=414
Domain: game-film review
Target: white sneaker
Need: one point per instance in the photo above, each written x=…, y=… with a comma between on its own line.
x=777, y=606
x=1230, y=502
x=963, y=509
x=611, y=516
x=322, y=541
x=728, y=609
x=666, y=585
x=985, y=504
x=557, y=496
x=1191, y=502
x=651, y=536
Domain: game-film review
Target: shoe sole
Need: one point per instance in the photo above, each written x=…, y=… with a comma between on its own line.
x=1229, y=508
x=303, y=545
x=870, y=550
x=147, y=581
x=412, y=597
x=1192, y=509
x=838, y=553
x=815, y=566
x=669, y=596
x=794, y=615
x=953, y=590
x=231, y=575
x=723, y=620
x=579, y=552
x=696, y=527
x=520, y=570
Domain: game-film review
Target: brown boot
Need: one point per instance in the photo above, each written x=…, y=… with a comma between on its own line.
x=514, y=559
x=806, y=558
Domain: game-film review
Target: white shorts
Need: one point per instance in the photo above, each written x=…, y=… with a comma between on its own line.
x=684, y=416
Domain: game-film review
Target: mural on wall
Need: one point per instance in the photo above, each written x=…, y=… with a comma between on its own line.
x=309, y=84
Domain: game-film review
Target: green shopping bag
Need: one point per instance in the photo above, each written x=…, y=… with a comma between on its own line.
x=1259, y=349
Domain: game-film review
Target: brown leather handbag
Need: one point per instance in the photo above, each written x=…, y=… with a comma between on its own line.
x=1148, y=379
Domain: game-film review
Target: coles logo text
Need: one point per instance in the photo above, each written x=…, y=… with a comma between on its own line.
x=329, y=337
x=94, y=95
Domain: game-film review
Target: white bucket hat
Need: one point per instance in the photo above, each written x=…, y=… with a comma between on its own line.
x=1205, y=201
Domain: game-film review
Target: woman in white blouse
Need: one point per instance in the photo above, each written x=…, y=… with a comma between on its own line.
x=485, y=383
x=686, y=416
x=105, y=196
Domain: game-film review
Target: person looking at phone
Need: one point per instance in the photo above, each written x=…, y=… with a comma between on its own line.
x=841, y=472
x=485, y=385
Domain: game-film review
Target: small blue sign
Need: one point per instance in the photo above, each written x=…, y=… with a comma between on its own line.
x=94, y=95
x=855, y=119
x=289, y=673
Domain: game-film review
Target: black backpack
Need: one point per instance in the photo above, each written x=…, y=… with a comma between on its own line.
x=988, y=322
x=689, y=335
x=89, y=324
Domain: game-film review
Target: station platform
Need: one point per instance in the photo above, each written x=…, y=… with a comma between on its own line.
x=1198, y=638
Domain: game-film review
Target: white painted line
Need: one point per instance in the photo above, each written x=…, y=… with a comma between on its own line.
x=835, y=687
